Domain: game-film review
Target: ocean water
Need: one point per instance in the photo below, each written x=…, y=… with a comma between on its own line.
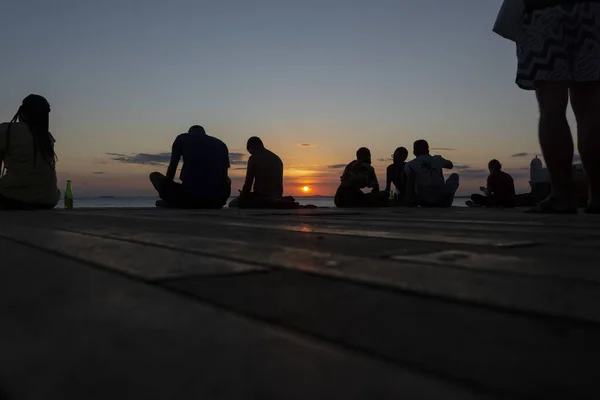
x=137, y=202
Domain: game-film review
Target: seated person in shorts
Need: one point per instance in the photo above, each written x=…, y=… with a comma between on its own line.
x=425, y=185
x=204, y=179
x=357, y=175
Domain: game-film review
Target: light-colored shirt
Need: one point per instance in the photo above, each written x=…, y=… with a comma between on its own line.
x=26, y=181
x=429, y=176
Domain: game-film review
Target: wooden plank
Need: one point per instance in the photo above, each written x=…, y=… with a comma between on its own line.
x=72, y=332
x=387, y=234
x=525, y=290
x=149, y=263
x=507, y=352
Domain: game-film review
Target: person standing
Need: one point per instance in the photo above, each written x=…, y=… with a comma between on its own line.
x=558, y=55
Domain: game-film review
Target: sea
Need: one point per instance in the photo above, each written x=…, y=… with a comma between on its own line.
x=139, y=202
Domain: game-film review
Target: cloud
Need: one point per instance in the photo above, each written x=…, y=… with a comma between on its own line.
x=337, y=166
x=99, y=173
x=384, y=159
x=522, y=155
x=307, y=145
x=237, y=159
x=156, y=159
x=239, y=169
x=442, y=149
x=142, y=158
x=462, y=167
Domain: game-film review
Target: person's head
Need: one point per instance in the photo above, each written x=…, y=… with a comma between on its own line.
x=494, y=165
x=35, y=113
x=254, y=144
x=363, y=154
x=400, y=155
x=197, y=130
x=420, y=147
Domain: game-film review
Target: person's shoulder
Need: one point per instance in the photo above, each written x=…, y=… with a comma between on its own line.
x=3, y=127
x=506, y=175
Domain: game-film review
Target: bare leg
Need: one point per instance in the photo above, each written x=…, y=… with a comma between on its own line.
x=585, y=100
x=557, y=143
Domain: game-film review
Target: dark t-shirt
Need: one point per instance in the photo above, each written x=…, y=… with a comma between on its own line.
x=397, y=176
x=205, y=164
x=358, y=175
x=501, y=186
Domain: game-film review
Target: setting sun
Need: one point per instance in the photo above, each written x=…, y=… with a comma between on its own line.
x=306, y=189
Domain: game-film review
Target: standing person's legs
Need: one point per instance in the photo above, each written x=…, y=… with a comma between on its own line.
x=585, y=94
x=545, y=53
x=557, y=144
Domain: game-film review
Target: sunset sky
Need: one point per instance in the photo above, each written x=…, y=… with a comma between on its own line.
x=314, y=79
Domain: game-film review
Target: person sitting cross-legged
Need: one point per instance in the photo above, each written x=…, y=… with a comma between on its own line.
x=205, y=183
x=395, y=174
x=500, y=190
x=357, y=175
x=425, y=185
x=263, y=186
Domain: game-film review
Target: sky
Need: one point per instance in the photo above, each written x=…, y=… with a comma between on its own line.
x=315, y=80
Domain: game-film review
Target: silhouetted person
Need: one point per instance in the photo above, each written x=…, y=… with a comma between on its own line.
x=357, y=175
x=205, y=183
x=28, y=159
x=264, y=177
x=500, y=190
x=425, y=185
x=395, y=174
x=558, y=53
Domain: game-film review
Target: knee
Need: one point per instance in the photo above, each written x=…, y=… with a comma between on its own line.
x=553, y=101
x=454, y=178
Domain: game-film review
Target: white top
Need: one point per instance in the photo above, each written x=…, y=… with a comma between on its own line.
x=429, y=176
x=25, y=180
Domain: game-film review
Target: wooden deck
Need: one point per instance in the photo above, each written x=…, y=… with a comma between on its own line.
x=307, y=304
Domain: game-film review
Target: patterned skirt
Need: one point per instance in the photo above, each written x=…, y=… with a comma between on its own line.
x=560, y=44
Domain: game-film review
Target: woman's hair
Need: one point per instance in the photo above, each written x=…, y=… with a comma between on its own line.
x=35, y=112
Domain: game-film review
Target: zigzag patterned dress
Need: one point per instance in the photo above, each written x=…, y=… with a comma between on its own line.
x=560, y=43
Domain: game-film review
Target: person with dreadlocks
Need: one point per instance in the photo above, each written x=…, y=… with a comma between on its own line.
x=28, y=173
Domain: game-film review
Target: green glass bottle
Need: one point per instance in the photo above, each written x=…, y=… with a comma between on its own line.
x=69, y=196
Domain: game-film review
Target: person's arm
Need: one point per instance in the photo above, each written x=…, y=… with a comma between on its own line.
x=447, y=164
x=388, y=179
x=175, y=157
x=373, y=180
x=3, y=149
x=489, y=190
x=250, y=173
x=410, y=196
